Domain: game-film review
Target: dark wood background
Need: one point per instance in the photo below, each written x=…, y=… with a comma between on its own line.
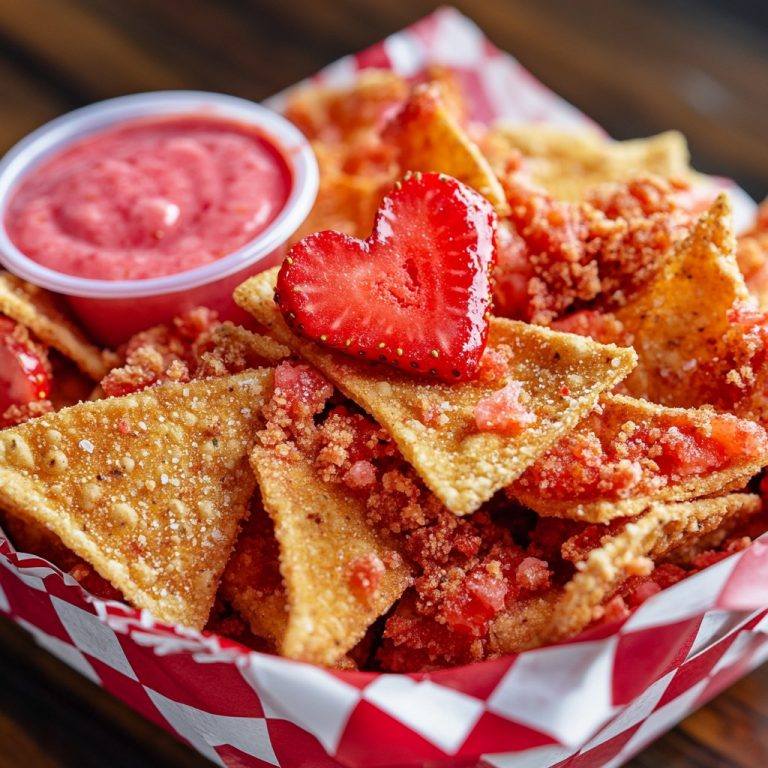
x=637, y=67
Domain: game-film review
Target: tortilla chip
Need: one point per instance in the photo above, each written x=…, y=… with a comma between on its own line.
x=569, y=163
x=36, y=309
x=333, y=113
x=649, y=537
x=523, y=625
x=149, y=488
x=565, y=612
x=430, y=138
x=677, y=321
x=460, y=465
x=619, y=413
x=322, y=531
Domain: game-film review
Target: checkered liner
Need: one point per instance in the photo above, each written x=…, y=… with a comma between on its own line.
x=592, y=702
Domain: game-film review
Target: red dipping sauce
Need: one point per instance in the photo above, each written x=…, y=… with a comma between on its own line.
x=149, y=198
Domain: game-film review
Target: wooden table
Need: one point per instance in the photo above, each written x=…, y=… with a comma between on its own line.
x=637, y=67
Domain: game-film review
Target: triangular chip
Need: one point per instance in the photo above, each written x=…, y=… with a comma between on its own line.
x=562, y=375
x=430, y=138
x=37, y=310
x=149, y=488
x=678, y=320
x=569, y=163
x=326, y=547
x=620, y=554
x=629, y=453
x=335, y=113
x=661, y=529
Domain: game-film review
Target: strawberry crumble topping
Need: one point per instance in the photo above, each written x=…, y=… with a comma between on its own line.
x=566, y=255
x=602, y=460
x=504, y=411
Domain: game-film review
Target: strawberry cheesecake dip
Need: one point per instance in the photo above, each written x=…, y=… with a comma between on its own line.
x=150, y=197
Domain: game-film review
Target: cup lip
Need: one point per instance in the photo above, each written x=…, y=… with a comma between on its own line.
x=98, y=116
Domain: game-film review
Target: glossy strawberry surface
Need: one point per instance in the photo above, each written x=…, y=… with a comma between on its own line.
x=415, y=294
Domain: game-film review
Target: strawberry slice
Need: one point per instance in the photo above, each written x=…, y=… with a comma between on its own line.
x=415, y=294
x=25, y=373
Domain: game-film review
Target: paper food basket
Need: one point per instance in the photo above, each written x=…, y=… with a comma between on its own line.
x=592, y=702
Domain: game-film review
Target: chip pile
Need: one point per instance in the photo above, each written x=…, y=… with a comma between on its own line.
x=346, y=513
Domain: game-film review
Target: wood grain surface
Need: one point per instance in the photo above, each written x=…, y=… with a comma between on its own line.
x=637, y=67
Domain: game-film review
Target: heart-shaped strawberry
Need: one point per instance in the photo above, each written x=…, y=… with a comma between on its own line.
x=415, y=294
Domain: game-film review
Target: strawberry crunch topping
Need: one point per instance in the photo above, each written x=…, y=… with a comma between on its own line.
x=25, y=375
x=560, y=255
x=414, y=295
x=504, y=411
x=618, y=461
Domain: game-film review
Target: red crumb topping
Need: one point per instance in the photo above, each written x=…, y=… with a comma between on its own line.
x=601, y=326
x=194, y=345
x=504, y=411
x=304, y=389
x=365, y=575
x=614, y=461
x=25, y=375
x=494, y=363
x=162, y=353
x=573, y=254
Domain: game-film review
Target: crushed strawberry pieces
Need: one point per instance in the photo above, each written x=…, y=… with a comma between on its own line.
x=558, y=256
x=25, y=375
x=615, y=461
x=504, y=411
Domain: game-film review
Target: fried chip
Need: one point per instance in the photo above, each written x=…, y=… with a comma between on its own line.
x=149, y=488
x=569, y=163
x=677, y=321
x=740, y=446
x=562, y=374
x=430, y=138
x=37, y=310
x=322, y=533
x=630, y=551
x=333, y=113
x=649, y=537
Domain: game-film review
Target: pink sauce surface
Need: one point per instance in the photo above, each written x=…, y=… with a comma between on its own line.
x=149, y=198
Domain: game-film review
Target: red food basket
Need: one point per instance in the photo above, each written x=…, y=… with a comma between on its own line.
x=594, y=701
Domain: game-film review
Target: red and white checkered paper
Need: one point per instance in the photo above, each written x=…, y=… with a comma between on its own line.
x=590, y=702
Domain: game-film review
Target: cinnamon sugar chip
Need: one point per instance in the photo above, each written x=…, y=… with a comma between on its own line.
x=523, y=624
x=149, y=488
x=429, y=138
x=37, y=310
x=321, y=530
x=662, y=529
x=561, y=374
x=677, y=321
x=616, y=424
x=569, y=163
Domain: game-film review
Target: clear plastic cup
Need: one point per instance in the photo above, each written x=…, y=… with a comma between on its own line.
x=113, y=310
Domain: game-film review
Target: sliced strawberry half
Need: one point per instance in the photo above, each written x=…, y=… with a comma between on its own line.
x=415, y=294
x=25, y=373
